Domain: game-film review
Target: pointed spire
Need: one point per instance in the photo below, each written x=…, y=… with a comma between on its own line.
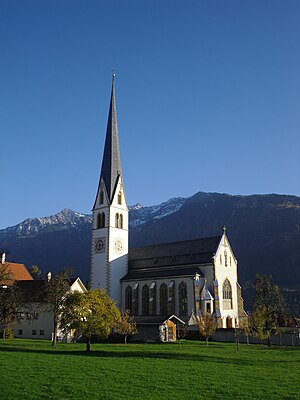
x=111, y=164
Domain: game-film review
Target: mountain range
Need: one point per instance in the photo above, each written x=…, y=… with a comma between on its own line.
x=264, y=231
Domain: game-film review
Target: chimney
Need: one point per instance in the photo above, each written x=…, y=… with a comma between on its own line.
x=49, y=276
x=3, y=258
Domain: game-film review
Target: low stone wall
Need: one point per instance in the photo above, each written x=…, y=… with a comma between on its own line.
x=284, y=339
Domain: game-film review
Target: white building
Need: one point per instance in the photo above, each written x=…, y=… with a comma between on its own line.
x=34, y=319
x=155, y=282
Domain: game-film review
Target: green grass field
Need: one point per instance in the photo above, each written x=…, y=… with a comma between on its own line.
x=32, y=369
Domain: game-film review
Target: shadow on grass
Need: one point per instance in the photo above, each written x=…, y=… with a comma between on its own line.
x=131, y=354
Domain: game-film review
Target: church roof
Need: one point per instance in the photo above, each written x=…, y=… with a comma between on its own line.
x=170, y=271
x=171, y=259
x=111, y=163
x=206, y=246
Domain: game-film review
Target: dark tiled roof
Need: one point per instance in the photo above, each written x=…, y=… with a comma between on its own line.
x=195, y=246
x=152, y=273
x=171, y=255
x=111, y=163
x=34, y=290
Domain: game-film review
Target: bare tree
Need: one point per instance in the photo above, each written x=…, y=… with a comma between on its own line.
x=55, y=292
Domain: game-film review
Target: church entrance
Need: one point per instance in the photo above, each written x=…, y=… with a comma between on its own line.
x=228, y=322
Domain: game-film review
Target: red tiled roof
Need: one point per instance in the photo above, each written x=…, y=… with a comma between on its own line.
x=17, y=271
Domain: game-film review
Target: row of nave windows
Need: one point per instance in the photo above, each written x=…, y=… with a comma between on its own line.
x=101, y=220
x=149, y=299
x=166, y=298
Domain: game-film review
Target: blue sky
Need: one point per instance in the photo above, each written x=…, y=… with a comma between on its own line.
x=208, y=96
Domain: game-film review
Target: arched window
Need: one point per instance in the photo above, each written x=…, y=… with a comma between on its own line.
x=221, y=259
x=102, y=220
x=119, y=221
x=145, y=300
x=101, y=197
x=135, y=299
x=163, y=299
x=120, y=197
x=227, y=295
x=152, y=300
x=98, y=222
x=128, y=299
x=183, y=299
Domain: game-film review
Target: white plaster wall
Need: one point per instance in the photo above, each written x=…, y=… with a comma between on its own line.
x=108, y=267
x=222, y=273
x=43, y=322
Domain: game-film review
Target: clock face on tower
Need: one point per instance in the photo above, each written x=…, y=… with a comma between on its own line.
x=118, y=245
x=100, y=245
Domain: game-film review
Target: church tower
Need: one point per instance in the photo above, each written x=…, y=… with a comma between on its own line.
x=109, y=258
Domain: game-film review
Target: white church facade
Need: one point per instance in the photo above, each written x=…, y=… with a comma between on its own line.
x=160, y=282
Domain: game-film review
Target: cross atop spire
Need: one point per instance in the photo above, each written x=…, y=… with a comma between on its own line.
x=111, y=169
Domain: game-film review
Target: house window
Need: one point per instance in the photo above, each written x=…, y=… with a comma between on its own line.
x=163, y=299
x=221, y=259
x=145, y=300
x=121, y=221
x=120, y=198
x=183, y=299
x=227, y=295
x=230, y=261
x=20, y=332
x=128, y=299
x=101, y=197
x=42, y=332
x=117, y=220
x=208, y=309
x=33, y=332
x=35, y=315
x=28, y=315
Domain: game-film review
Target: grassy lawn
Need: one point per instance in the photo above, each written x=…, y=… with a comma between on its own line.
x=32, y=369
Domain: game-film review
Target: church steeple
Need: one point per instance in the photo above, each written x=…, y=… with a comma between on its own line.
x=110, y=215
x=111, y=164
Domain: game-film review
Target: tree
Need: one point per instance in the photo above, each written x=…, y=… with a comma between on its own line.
x=126, y=325
x=10, y=302
x=268, y=308
x=10, y=299
x=206, y=325
x=35, y=271
x=91, y=313
x=6, y=277
x=55, y=292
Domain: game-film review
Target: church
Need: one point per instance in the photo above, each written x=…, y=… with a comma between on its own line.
x=162, y=285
